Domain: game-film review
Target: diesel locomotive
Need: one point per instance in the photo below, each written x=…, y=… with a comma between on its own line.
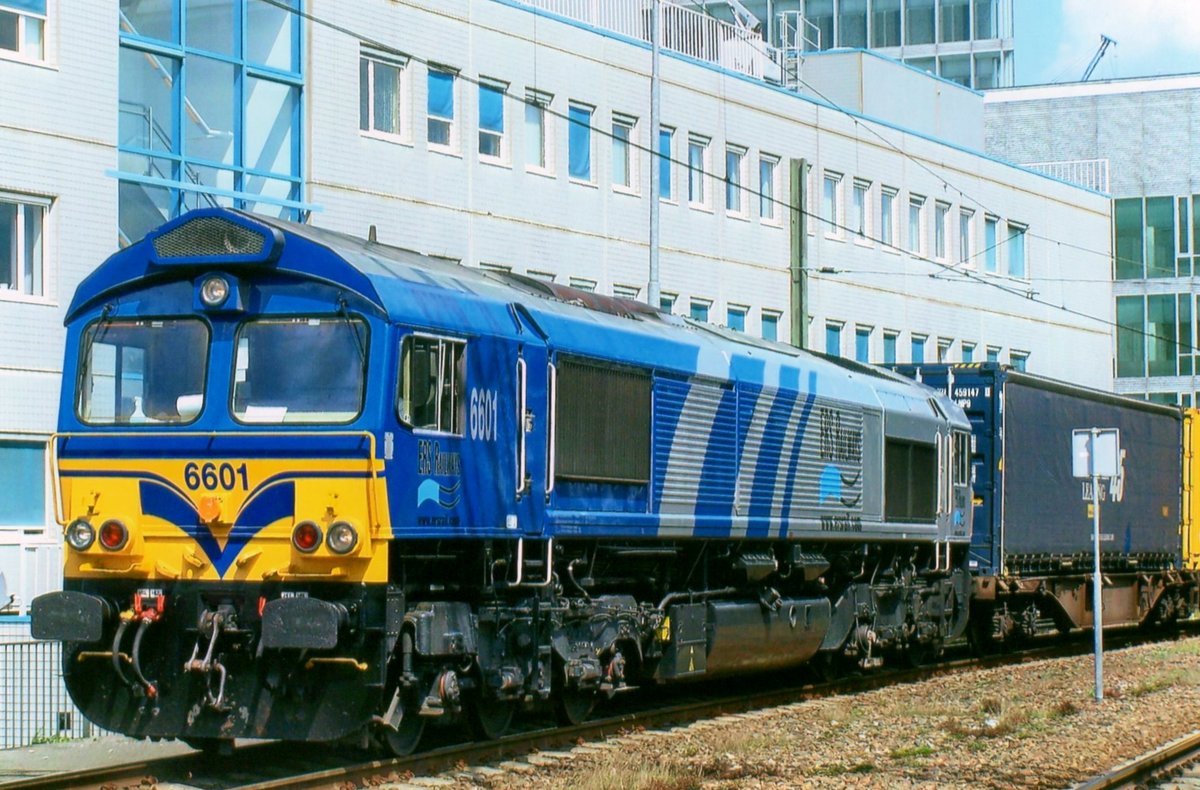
x=318, y=488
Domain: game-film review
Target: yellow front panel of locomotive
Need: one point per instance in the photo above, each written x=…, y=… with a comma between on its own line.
x=230, y=519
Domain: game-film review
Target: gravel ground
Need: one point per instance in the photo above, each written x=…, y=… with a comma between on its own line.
x=1034, y=725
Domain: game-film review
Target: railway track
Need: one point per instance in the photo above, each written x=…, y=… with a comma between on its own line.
x=1175, y=765
x=271, y=766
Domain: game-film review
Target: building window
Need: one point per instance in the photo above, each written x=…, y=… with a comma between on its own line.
x=987, y=23
x=987, y=70
x=381, y=94
x=213, y=120
x=770, y=325
x=697, y=171
x=852, y=24
x=918, y=349
x=1161, y=341
x=699, y=310
x=491, y=119
x=831, y=203
x=990, y=253
x=579, y=142
x=735, y=178
x=887, y=216
x=548, y=277
x=966, y=240
x=819, y=26
x=537, y=137
x=918, y=22
x=22, y=246
x=1160, y=237
x=941, y=221
x=623, y=161
x=968, y=352
x=890, y=339
x=885, y=23
x=862, y=344
x=956, y=69
x=1127, y=223
x=1018, y=359
x=943, y=350
x=666, y=137
x=955, y=21
x=666, y=302
x=860, y=220
x=626, y=291
x=993, y=354
x=833, y=338
x=735, y=317
x=768, y=168
x=583, y=284
x=440, y=108
x=23, y=29
x=23, y=495
x=1016, y=251
x=916, y=240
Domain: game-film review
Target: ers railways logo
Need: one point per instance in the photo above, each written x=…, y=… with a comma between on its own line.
x=433, y=462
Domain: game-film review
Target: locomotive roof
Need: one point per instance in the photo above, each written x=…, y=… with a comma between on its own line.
x=438, y=293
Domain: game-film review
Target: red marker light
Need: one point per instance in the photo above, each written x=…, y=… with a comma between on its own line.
x=306, y=537
x=113, y=535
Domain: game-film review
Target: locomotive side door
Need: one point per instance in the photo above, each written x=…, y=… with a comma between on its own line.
x=532, y=418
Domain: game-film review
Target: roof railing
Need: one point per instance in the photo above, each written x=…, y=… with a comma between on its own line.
x=683, y=30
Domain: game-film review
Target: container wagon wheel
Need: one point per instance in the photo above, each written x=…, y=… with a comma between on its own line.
x=571, y=705
x=490, y=718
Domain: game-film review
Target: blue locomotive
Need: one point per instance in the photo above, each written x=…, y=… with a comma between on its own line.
x=315, y=487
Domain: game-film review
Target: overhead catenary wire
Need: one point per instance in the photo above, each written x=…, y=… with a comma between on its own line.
x=959, y=269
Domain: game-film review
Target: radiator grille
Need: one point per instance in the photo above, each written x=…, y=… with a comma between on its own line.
x=209, y=237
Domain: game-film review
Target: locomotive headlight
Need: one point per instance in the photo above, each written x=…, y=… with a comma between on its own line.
x=81, y=535
x=113, y=535
x=342, y=538
x=306, y=537
x=214, y=291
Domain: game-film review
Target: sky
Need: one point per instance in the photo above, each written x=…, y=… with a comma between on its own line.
x=1056, y=39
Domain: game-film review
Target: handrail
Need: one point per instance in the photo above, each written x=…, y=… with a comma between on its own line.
x=521, y=392
x=551, y=426
x=372, y=468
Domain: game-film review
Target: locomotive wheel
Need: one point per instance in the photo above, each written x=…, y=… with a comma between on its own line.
x=923, y=653
x=211, y=747
x=490, y=718
x=404, y=740
x=572, y=706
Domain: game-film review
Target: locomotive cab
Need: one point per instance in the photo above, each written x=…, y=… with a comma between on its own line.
x=219, y=475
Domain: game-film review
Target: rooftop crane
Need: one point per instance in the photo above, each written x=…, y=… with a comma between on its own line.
x=1105, y=41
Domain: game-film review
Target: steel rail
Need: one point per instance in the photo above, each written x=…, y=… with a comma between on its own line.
x=1140, y=770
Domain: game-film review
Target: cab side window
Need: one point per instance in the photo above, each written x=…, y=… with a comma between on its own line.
x=433, y=374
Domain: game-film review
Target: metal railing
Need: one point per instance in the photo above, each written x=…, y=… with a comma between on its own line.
x=34, y=705
x=683, y=30
x=1090, y=173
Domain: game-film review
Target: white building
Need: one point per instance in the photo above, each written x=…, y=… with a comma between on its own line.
x=503, y=134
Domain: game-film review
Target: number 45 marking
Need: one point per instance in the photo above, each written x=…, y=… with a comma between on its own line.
x=211, y=476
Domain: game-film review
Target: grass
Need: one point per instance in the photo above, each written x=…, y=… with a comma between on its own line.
x=629, y=774
x=924, y=750
x=39, y=738
x=1164, y=680
x=838, y=769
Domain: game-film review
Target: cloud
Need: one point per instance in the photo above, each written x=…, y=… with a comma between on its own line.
x=1153, y=37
